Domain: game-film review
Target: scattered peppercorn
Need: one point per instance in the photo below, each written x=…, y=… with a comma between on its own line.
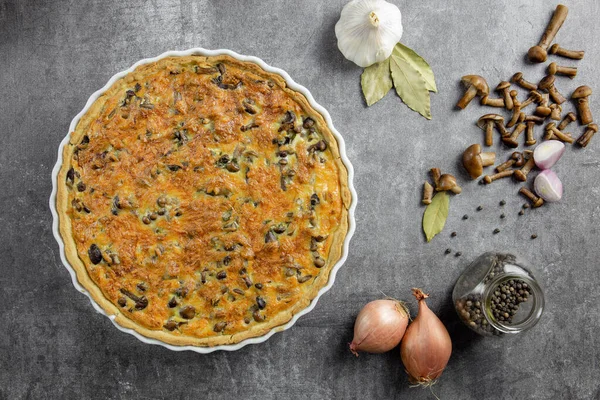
x=496, y=230
x=534, y=236
x=525, y=206
x=502, y=202
x=479, y=208
x=521, y=212
x=458, y=254
x=502, y=216
x=465, y=216
x=453, y=234
x=448, y=251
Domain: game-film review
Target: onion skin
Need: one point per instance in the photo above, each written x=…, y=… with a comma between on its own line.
x=548, y=186
x=379, y=326
x=547, y=153
x=426, y=346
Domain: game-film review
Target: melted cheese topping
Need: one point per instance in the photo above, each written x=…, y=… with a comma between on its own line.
x=203, y=197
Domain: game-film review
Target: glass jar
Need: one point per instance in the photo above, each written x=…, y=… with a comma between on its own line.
x=497, y=294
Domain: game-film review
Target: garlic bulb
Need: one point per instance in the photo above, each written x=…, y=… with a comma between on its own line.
x=368, y=30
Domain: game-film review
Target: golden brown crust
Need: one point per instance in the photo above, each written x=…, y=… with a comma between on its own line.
x=139, y=245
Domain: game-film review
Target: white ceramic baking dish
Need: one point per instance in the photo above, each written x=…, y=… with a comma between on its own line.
x=293, y=85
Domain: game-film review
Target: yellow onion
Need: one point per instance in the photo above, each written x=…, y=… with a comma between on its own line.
x=426, y=346
x=379, y=326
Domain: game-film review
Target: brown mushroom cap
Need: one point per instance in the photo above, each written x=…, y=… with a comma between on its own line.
x=537, y=96
x=552, y=68
x=482, y=122
x=517, y=77
x=472, y=161
x=477, y=82
x=547, y=82
x=519, y=158
x=581, y=91
x=448, y=182
x=537, y=54
x=502, y=85
x=543, y=111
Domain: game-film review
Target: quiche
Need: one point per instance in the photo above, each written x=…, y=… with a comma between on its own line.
x=202, y=201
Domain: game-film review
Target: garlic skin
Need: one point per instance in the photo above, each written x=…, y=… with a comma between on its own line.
x=368, y=30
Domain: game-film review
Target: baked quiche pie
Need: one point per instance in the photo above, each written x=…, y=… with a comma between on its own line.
x=202, y=201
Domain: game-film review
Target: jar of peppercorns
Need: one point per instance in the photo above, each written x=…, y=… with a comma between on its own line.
x=497, y=294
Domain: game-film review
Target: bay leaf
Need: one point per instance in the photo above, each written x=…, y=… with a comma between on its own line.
x=376, y=81
x=410, y=85
x=418, y=63
x=435, y=215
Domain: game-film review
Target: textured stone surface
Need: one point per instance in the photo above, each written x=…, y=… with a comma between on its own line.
x=53, y=344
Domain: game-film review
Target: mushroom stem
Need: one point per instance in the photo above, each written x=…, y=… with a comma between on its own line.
x=552, y=132
x=555, y=69
x=468, y=96
x=584, y=139
x=489, y=133
x=556, y=96
x=502, y=129
x=456, y=189
x=556, y=110
x=534, y=97
x=572, y=54
x=505, y=165
x=519, y=80
x=511, y=141
x=535, y=201
x=581, y=95
x=538, y=53
x=521, y=174
x=487, y=101
x=530, y=141
x=427, y=192
x=488, y=158
x=515, y=117
x=534, y=118
x=491, y=178
x=585, y=114
x=570, y=117
x=435, y=175
x=559, y=16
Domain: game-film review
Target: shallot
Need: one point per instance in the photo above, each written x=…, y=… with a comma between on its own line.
x=379, y=326
x=547, y=153
x=548, y=186
x=426, y=346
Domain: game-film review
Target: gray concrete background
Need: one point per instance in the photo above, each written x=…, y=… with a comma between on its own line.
x=54, y=54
